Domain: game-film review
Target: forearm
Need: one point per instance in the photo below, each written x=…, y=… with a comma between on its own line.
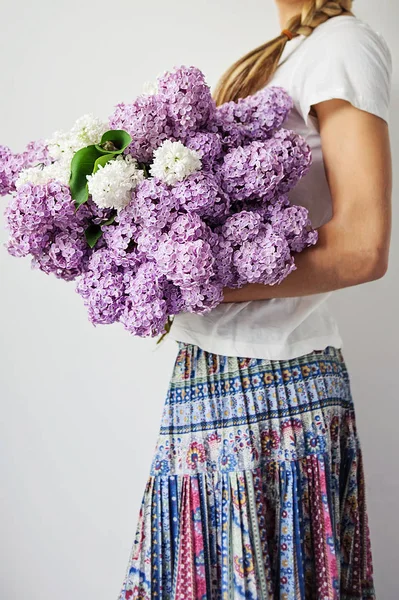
x=335, y=262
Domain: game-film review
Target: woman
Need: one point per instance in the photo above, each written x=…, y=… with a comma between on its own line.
x=257, y=488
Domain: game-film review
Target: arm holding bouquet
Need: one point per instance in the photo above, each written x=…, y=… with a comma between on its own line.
x=174, y=201
x=353, y=247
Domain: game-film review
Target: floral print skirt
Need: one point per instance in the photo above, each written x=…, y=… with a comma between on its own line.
x=256, y=488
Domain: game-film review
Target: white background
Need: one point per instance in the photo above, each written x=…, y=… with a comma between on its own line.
x=81, y=406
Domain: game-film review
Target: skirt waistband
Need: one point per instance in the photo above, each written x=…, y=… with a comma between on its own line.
x=327, y=351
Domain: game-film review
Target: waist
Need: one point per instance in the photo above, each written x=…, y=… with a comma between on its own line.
x=276, y=329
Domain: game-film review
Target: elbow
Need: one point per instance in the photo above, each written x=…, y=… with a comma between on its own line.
x=379, y=262
x=367, y=267
x=379, y=267
x=361, y=256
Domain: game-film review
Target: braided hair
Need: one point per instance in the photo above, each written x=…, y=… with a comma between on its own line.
x=252, y=72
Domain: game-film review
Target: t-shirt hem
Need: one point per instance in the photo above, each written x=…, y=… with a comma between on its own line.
x=261, y=350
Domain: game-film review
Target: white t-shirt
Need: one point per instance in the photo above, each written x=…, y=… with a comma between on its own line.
x=343, y=58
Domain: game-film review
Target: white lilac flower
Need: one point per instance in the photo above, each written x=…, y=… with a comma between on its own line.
x=60, y=170
x=174, y=162
x=150, y=88
x=32, y=175
x=86, y=131
x=59, y=145
x=111, y=186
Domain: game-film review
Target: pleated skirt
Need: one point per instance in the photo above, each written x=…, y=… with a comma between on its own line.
x=256, y=488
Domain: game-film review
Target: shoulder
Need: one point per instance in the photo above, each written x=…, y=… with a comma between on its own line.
x=351, y=37
x=344, y=58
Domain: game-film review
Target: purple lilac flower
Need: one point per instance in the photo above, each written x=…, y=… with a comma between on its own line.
x=12, y=164
x=185, y=264
x=36, y=217
x=146, y=120
x=66, y=257
x=36, y=152
x=173, y=298
x=293, y=154
x=261, y=170
x=67, y=250
x=189, y=227
x=98, y=215
x=224, y=271
x=251, y=172
x=209, y=146
x=201, y=299
x=293, y=222
x=147, y=241
x=200, y=193
x=188, y=99
x=266, y=259
x=6, y=170
x=42, y=222
x=258, y=115
x=102, y=288
x=121, y=238
x=145, y=312
x=303, y=240
x=226, y=129
x=242, y=226
x=184, y=254
x=153, y=205
x=255, y=247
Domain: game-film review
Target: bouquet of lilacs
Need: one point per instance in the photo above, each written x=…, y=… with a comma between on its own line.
x=157, y=210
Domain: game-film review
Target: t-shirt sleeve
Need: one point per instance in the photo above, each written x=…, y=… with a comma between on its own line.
x=351, y=63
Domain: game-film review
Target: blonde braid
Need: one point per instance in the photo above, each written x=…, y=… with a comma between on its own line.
x=315, y=12
x=252, y=72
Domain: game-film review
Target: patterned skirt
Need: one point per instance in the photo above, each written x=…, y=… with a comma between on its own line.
x=256, y=489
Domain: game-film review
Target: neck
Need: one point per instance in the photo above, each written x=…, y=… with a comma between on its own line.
x=288, y=9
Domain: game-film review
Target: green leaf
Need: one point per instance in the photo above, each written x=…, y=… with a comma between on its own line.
x=87, y=160
x=93, y=234
x=145, y=168
x=82, y=164
x=115, y=141
x=102, y=160
x=94, y=231
x=109, y=221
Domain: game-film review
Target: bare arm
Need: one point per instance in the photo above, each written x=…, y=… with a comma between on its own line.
x=353, y=247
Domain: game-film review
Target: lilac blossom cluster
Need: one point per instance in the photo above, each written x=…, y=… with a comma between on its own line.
x=42, y=222
x=12, y=164
x=208, y=208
